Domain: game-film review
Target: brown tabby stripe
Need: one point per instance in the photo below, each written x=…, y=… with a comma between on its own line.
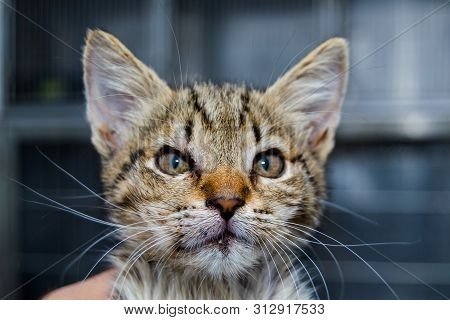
x=256, y=132
x=134, y=157
x=193, y=100
x=241, y=119
x=126, y=202
x=311, y=177
x=188, y=129
x=245, y=98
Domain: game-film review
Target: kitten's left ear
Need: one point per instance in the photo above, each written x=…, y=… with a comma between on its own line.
x=311, y=94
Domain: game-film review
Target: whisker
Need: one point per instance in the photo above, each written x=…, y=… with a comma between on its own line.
x=333, y=257
x=289, y=224
x=200, y=285
x=80, y=256
x=112, y=248
x=129, y=259
x=142, y=248
x=136, y=256
x=288, y=268
x=315, y=265
x=390, y=260
x=274, y=263
x=94, y=194
x=48, y=268
x=309, y=45
x=98, y=241
x=64, y=208
x=303, y=266
x=341, y=275
x=178, y=50
x=79, y=182
x=267, y=261
x=316, y=241
x=79, y=197
x=278, y=58
x=164, y=260
x=345, y=210
x=338, y=267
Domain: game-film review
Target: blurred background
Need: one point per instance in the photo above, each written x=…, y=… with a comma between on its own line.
x=390, y=168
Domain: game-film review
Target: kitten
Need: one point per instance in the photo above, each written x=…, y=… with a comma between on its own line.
x=212, y=188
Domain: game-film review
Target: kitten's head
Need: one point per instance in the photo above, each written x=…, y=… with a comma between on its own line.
x=212, y=178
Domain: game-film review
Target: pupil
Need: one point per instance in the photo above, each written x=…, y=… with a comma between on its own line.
x=265, y=163
x=175, y=162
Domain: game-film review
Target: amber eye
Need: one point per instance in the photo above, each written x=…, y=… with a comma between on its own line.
x=269, y=164
x=172, y=161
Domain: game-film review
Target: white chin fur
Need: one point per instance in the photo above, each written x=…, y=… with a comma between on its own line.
x=236, y=260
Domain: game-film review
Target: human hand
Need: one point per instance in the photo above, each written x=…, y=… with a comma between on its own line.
x=97, y=287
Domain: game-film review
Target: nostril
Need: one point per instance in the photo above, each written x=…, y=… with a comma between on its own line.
x=226, y=206
x=226, y=215
x=229, y=205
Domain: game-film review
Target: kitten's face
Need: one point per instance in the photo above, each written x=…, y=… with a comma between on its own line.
x=212, y=178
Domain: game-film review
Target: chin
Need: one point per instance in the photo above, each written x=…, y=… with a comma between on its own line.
x=231, y=259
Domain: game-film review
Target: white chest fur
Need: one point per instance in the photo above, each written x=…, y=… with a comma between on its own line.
x=145, y=282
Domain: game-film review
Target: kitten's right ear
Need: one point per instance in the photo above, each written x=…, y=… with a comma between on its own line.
x=119, y=89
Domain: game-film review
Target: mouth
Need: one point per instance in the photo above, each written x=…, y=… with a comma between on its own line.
x=221, y=241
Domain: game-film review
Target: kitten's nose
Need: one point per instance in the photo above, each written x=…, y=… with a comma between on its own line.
x=226, y=206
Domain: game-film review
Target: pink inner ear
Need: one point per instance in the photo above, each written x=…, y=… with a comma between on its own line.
x=106, y=134
x=319, y=138
x=108, y=111
x=326, y=119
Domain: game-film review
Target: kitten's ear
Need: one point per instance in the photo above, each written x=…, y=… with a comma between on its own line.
x=119, y=89
x=311, y=94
